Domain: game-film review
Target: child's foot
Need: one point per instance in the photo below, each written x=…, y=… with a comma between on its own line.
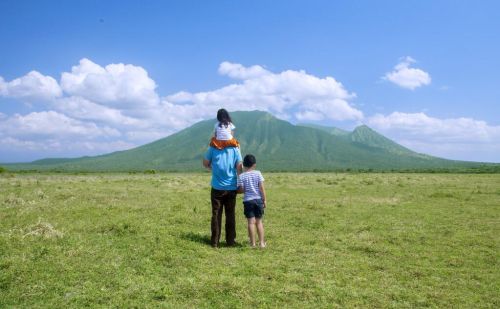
x=262, y=245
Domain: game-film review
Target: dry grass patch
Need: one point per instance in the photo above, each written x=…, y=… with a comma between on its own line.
x=42, y=229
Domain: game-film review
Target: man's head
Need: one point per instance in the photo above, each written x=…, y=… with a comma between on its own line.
x=249, y=161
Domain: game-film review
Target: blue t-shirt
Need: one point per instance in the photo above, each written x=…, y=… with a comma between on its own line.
x=224, y=174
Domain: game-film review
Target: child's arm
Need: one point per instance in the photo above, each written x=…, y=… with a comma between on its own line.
x=262, y=193
x=240, y=190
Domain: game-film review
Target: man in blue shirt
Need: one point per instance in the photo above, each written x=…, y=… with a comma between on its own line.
x=225, y=165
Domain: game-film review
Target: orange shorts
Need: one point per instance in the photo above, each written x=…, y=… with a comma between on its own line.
x=223, y=144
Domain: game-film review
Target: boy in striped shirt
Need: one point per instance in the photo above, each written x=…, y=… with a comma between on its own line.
x=251, y=183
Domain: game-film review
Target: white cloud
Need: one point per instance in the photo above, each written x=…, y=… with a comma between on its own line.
x=309, y=116
x=289, y=92
x=450, y=138
x=21, y=150
x=116, y=106
x=31, y=87
x=83, y=109
x=47, y=124
x=238, y=71
x=123, y=86
x=439, y=130
x=406, y=77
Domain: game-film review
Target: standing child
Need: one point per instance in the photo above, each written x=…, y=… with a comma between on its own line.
x=251, y=183
x=223, y=131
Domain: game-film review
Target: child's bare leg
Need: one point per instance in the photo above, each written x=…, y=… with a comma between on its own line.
x=251, y=231
x=260, y=231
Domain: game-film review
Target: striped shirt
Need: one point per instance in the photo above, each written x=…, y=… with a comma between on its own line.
x=250, y=182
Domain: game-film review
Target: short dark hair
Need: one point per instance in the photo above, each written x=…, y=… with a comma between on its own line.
x=249, y=160
x=223, y=117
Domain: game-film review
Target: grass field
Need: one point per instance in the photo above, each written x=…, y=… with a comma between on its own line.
x=334, y=240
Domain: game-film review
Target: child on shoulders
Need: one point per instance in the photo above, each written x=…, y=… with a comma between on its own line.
x=223, y=131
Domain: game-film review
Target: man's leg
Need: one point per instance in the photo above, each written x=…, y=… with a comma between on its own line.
x=215, y=197
x=229, y=205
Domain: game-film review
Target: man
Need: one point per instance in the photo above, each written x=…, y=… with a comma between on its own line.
x=225, y=165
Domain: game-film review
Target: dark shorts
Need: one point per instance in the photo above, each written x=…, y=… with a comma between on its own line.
x=253, y=208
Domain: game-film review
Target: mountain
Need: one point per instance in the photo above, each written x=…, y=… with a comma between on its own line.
x=277, y=144
x=364, y=135
x=331, y=130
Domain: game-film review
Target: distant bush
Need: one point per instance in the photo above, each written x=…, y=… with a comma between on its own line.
x=151, y=171
x=2, y=169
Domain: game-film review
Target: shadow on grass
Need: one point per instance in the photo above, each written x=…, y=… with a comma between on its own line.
x=205, y=239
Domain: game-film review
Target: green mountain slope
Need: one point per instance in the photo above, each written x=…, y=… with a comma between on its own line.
x=277, y=144
x=331, y=130
x=365, y=135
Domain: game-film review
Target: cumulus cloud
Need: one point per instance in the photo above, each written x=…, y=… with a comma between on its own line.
x=289, y=92
x=406, y=77
x=117, y=85
x=49, y=124
x=450, y=138
x=83, y=109
x=238, y=71
x=94, y=109
x=31, y=87
x=22, y=150
x=439, y=130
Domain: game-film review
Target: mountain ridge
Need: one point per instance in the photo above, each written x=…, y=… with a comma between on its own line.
x=277, y=144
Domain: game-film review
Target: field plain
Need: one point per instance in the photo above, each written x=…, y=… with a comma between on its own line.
x=334, y=240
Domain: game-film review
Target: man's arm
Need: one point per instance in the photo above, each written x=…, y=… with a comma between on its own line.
x=239, y=183
x=207, y=159
x=262, y=193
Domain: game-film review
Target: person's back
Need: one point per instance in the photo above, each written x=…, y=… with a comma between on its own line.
x=250, y=181
x=223, y=132
x=223, y=165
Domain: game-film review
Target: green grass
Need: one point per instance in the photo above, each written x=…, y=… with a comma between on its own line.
x=334, y=240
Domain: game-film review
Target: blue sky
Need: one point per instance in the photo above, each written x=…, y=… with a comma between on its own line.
x=89, y=77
